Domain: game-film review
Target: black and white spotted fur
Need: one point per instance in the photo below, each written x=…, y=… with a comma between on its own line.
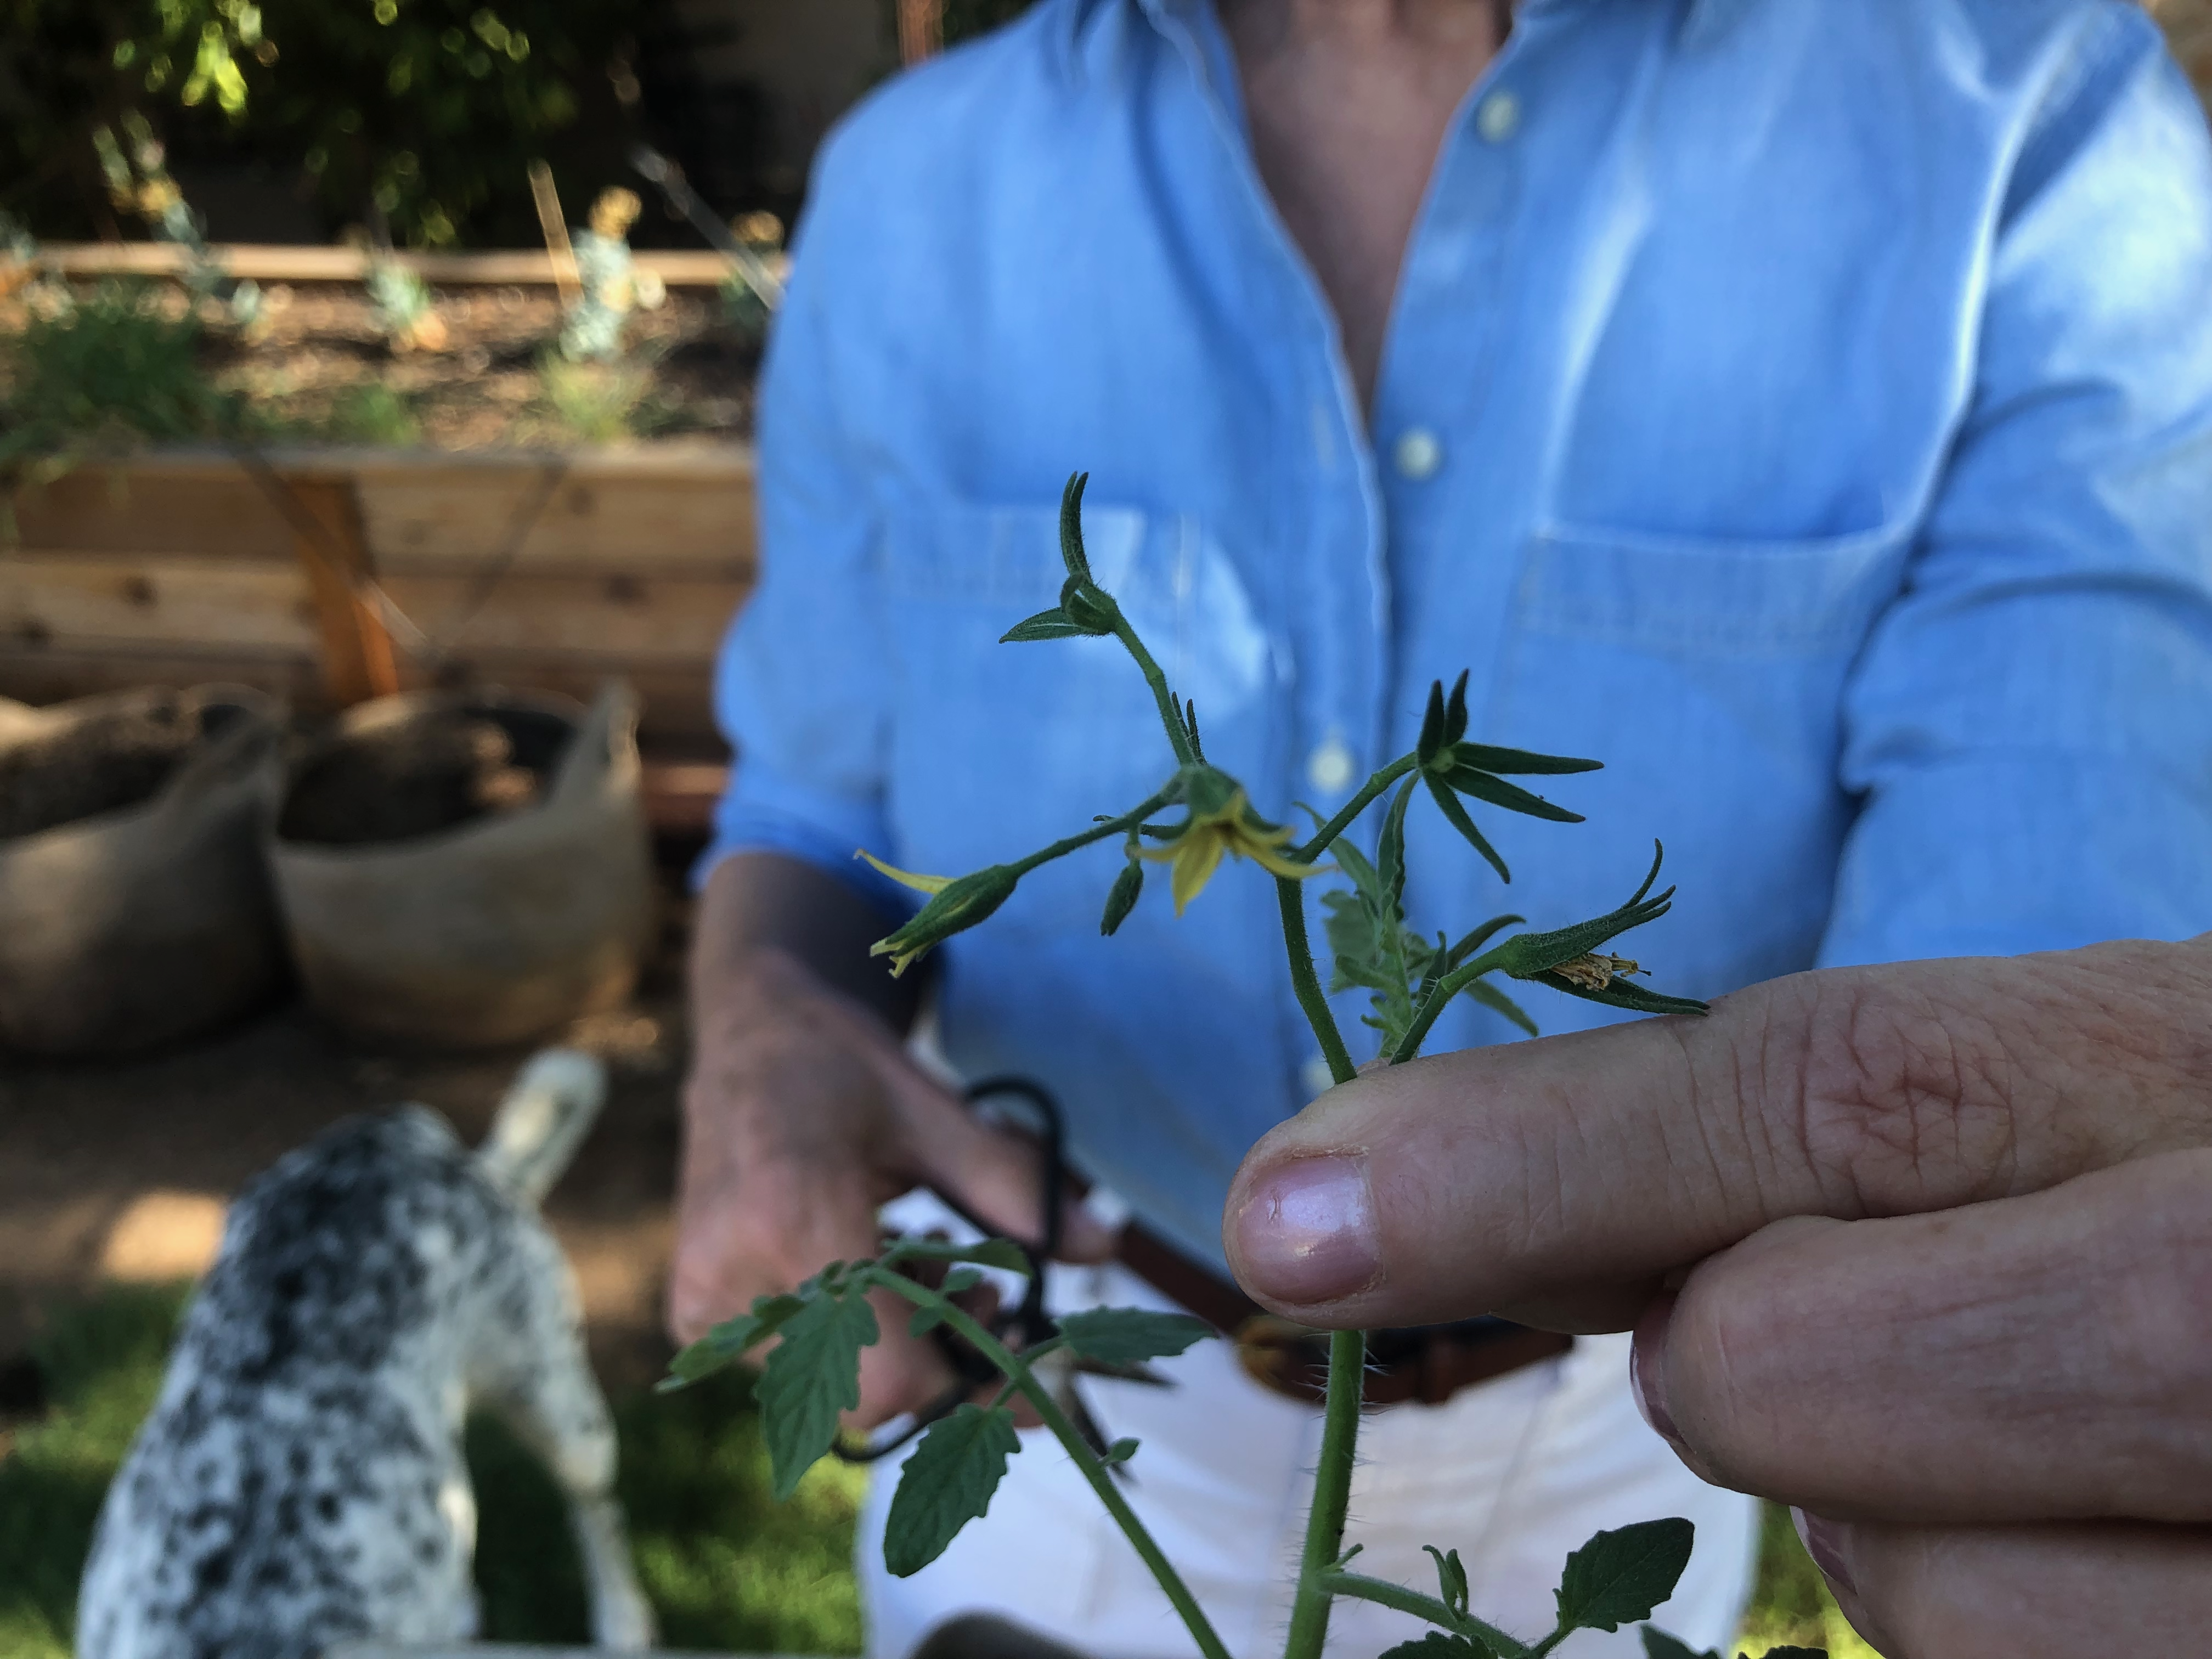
x=301, y=1480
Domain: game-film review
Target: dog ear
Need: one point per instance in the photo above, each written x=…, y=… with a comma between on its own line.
x=546, y=1114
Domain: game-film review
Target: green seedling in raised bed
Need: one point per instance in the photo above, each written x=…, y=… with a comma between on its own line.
x=139, y=182
x=811, y=1374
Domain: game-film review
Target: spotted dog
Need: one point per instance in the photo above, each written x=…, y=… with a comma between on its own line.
x=301, y=1480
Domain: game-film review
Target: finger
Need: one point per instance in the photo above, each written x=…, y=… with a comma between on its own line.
x=1553, y=1181
x=996, y=1176
x=2019, y=1593
x=2039, y=1359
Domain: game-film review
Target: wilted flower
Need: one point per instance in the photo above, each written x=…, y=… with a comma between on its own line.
x=956, y=904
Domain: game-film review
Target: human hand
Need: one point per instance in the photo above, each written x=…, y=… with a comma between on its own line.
x=803, y=1116
x=1924, y=1252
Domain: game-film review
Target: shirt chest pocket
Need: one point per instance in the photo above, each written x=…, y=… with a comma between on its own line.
x=997, y=750
x=1681, y=597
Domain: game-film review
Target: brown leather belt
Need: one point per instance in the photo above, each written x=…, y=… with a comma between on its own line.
x=1429, y=1364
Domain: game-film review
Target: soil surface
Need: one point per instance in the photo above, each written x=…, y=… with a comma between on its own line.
x=102, y=762
x=437, y=771
x=318, y=367
x=119, y=1171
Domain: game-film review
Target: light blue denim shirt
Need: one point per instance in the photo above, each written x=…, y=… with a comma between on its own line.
x=1803, y=406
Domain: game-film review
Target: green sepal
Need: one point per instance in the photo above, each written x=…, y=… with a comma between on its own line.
x=1473, y=781
x=1451, y=1579
x=1456, y=815
x=1519, y=762
x=1089, y=608
x=1532, y=955
x=1051, y=624
x=1128, y=888
x=1430, y=743
x=1455, y=712
x=1119, y=1453
x=1622, y=993
x=945, y=1483
x=1071, y=527
x=1619, y=1577
x=1498, y=1003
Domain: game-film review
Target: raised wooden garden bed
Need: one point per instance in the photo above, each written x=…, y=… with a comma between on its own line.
x=327, y=576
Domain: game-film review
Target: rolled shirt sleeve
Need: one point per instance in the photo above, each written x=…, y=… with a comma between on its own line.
x=2045, y=680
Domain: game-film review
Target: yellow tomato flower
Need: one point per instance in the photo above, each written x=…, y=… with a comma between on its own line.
x=1233, y=827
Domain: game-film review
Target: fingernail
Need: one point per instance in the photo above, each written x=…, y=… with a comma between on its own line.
x=1647, y=1370
x=1824, y=1541
x=1305, y=1233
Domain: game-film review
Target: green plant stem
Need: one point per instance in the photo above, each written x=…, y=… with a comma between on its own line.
x=1360, y=1588
x=1016, y=1368
x=1439, y=999
x=1121, y=826
x=1340, y=1440
x=1170, y=715
x=1374, y=788
x=1311, y=1000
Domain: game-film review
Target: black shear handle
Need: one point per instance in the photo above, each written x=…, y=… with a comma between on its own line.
x=1028, y=1319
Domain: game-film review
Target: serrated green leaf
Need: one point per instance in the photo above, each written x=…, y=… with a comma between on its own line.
x=1120, y=1452
x=1002, y=1253
x=945, y=1483
x=1051, y=624
x=1619, y=1577
x=1498, y=1003
x=1438, y=1645
x=813, y=1375
x=1520, y=762
x=1128, y=1336
x=1471, y=781
x=1456, y=815
x=1657, y=1644
x=731, y=1339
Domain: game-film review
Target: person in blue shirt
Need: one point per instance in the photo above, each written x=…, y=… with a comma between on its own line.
x=1804, y=406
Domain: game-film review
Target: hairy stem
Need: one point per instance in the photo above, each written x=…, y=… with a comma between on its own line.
x=1311, y=999
x=1437, y=999
x=1374, y=788
x=1360, y=1588
x=1339, y=1439
x=1016, y=1368
x=1170, y=715
x=1091, y=837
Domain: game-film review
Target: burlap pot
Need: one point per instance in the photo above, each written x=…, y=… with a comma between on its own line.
x=152, y=920
x=497, y=931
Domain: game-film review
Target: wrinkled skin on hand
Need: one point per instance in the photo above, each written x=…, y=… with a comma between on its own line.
x=1924, y=1252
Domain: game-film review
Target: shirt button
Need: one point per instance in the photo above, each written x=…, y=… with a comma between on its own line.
x=1418, y=454
x=1499, y=116
x=1329, y=769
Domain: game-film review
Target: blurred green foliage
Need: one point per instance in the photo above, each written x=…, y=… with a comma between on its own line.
x=420, y=109
x=724, y=1567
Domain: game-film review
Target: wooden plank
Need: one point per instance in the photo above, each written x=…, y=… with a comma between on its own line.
x=187, y=607
x=584, y=520
x=592, y=619
x=528, y=267
x=130, y=508
x=358, y=657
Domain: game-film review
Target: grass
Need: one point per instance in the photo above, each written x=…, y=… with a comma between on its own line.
x=726, y=1569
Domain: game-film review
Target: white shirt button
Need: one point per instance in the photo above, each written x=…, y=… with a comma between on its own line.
x=1317, y=1076
x=1329, y=767
x=1417, y=453
x=1498, y=117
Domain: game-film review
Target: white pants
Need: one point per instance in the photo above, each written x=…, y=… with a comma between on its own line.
x=1513, y=1473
